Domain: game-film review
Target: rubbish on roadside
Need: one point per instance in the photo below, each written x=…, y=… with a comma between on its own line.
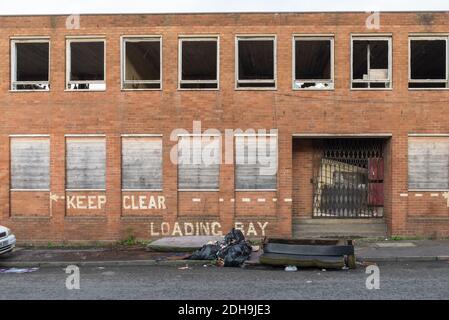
x=255, y=248
x=231, y=252
x=324, y=270
x=18, y=270
x=318, y=253
x=181, y=244
x=184, y=268
x=291, y=268
x=308, y=281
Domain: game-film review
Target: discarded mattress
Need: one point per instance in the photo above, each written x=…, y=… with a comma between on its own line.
x=308, y=253
x=181, y=244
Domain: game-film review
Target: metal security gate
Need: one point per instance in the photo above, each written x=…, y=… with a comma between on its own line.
x=348, y=178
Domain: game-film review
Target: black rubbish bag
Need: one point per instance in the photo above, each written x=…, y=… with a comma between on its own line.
x=207, y=252
x=235, y=236
x=234, y=255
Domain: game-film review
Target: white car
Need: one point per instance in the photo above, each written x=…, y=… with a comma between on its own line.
x=7, y=240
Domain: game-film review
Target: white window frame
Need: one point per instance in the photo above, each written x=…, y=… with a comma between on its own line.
x=277, y=160
x=428, y=38
x=374, y=37
x=134, y=38
x=14, y=41
x=183, y=38
x=86, y=39
x=262, y=37
x=331, y=81
x=141, y=135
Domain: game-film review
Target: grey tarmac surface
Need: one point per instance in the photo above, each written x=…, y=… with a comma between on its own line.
x=418, y=280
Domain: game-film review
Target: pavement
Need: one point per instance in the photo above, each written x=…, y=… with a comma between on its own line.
x=366, y=252
x=414, y=280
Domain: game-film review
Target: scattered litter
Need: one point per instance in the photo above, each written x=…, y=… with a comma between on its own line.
x=291, y=268
x=345, y=268
x=184, y=268
x=18, y=270
x=308, y=281
x=231, y=252
x=323, y=270
x=101, y=268
x=255, y=248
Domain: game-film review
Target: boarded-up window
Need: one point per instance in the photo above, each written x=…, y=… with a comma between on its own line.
x=142, y=63
x=428, y=163
x=86, y=163
x=256, y=162
x=30, y=163
x=199, y=162
x=141, y=163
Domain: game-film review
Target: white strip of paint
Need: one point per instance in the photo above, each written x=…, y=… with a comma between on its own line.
x=232, y=200
x=434, y=195
x=261, y=200
x=288, y=200
x=246, y=200
x=221, y=200
x=275, y=199
x=418, y=194
x=196, y=199
x=403, y=195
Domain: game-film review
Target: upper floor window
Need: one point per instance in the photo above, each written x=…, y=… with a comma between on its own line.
x=141, y=63
x=86, y=64
x=198, y=63
x=313, y=63
x=30, y=64
x=371, y=62
x=256, y=62
x=428, y=62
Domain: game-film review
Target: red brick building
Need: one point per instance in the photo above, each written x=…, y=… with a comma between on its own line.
x=89, y=104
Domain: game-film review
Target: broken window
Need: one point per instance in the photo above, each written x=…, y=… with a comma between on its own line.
x=256, y=62
x=142, y=63
x=371, y=63
x=142, y=163
x=428, y=163
x=30, y=163
x=428, y=63
x=199, y=62
x=85, y=163
x=199, y=162
x=86, y=64
x=256, y=162
x=30, y=64
x=313, y=63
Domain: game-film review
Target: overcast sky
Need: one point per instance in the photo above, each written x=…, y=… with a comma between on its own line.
x=23, y=7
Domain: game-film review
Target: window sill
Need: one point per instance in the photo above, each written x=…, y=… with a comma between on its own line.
x=256, y=190
x=198, y=190
x=313, y=89
x=142, y=190
x=428, y=89
x=85, y=90
x=29, y=190
x=371, y=89
x=85, y=190
x=18, y=91
x=256, y=89
x=126, y=90
x=427, y=190
x=198, y=89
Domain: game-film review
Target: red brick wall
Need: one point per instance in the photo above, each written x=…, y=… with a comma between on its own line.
x=398, y=111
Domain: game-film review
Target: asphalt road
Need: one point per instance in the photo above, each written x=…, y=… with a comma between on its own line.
x=420, y=280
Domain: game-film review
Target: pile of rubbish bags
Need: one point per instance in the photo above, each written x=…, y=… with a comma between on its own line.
x=231, y=252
